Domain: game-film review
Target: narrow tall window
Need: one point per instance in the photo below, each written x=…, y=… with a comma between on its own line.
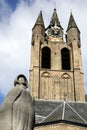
x=65, y=54
x=46, y=58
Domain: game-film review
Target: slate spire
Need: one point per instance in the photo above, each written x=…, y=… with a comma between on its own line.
x=39, y=20
x=72, y=23
x=55, y=20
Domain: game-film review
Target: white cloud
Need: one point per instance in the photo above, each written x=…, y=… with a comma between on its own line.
x=15, y=46
x=15, y=35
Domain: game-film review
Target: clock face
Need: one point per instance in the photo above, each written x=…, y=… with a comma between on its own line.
x=54, y=34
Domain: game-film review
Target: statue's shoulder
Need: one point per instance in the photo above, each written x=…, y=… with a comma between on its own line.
x=11, y=97
x=14, y=90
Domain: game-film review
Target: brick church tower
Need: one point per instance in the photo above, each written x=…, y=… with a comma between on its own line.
x=55, y=67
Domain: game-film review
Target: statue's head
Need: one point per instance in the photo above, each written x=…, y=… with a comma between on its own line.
x=22, y=80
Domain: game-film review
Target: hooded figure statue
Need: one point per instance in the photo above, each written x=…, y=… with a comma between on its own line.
x=17, y=110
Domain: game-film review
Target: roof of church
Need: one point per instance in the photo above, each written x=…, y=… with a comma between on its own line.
x=40, y=20
x=72, y=23
x=47, y=112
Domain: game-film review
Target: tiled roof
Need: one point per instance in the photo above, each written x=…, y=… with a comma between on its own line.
x=53, y=111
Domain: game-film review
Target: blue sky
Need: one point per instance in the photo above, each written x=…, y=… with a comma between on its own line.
x=12, y=3
x=17, y=17
x=1, y=98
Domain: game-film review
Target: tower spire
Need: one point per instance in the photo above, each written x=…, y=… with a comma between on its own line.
x=72, y=23
x=39, y=20
x=54, y=19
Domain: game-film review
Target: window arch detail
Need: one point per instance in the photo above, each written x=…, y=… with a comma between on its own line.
x=67, y=90
x=46, y=86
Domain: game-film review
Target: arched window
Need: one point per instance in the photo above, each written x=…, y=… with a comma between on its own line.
x=65, y=55
x=46, y=58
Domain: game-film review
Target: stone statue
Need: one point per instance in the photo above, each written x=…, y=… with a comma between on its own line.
x=17, y=111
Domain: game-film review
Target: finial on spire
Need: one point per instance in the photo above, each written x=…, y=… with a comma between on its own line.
x=40, y=11
x=54, y=10
x=70, y=11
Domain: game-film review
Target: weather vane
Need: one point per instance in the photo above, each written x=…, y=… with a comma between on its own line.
x=54, y=4
x=70, y=11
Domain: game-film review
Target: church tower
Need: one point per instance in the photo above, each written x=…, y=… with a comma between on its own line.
x=55, y=67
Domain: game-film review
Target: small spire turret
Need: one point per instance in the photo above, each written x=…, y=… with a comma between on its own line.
x=39, y=20
x=39, y=27
x=72, y=23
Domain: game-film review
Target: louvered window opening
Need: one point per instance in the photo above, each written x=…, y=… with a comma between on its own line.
x=65, y=59
x=46, y=58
